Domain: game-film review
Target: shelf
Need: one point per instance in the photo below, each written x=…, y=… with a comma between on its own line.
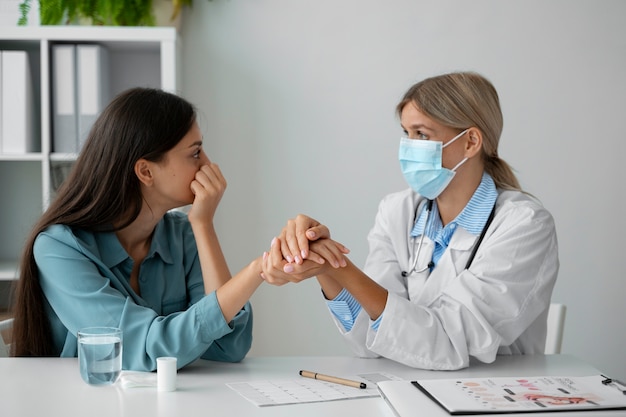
x=63, y=157
x=35, y=156
x=8, y=270
x=125, y=35
x=138, y=56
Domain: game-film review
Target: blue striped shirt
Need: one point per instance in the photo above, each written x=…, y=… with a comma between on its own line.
x=473, y=218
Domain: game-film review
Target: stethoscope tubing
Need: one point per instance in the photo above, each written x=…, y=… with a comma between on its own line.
x=429, y=206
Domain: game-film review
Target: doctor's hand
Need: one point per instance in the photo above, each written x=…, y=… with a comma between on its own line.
x=297, y=234
x=277, y=271
x=208, y=188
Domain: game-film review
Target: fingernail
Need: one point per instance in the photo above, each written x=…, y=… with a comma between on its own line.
x=288, y=268
x=264, y=255
x=298, y=260
x=289, y=259
x=262, y=276
x=303, y=253
x=310, y=234
x=272, y=242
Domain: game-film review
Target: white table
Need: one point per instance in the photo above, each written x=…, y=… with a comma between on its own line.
x=53, y=387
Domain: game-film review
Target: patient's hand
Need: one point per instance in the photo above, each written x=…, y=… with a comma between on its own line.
x=277, y=271
x=295, y=241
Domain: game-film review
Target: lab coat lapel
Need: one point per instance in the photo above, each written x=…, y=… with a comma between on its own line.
x=460, y=248
x=450, y=265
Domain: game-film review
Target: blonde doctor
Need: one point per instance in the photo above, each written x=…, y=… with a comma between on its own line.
x=461, y=264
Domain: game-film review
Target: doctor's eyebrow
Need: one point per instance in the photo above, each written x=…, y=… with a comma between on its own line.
x=418, y=126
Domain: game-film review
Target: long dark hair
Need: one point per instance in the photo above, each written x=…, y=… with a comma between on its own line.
x=100, y=191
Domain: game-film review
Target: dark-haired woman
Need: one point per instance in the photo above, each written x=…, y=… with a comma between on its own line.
x=110, y=252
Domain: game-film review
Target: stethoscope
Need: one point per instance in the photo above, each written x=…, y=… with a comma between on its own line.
x=431, y=264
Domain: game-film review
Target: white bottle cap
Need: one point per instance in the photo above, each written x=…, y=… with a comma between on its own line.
x=166, y=374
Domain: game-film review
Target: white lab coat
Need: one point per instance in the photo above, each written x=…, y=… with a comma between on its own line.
x=438, y=320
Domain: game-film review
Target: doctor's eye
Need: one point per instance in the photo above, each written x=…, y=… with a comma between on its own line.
x=421, y=136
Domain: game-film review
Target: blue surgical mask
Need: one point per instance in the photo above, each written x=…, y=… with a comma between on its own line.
x=420, y=161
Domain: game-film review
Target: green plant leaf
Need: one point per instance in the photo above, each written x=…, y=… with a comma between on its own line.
x=24, y=10
x=51, y=12
x=96, y=12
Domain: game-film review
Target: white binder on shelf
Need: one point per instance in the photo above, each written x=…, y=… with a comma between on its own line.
x=64, y=114
x=17, y=104
x=92, y=84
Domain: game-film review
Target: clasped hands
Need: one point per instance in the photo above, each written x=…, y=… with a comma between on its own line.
x=302, y=250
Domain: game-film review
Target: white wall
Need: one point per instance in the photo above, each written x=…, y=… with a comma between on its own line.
x=298, y=100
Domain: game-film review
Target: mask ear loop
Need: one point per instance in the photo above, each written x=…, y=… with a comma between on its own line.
x=458, y=165
x=452, y=140
x=455, y=138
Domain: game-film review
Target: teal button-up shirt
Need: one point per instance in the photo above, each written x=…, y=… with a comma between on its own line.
x=85, y=278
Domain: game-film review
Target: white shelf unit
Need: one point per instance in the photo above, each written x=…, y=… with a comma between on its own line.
x=139, y=56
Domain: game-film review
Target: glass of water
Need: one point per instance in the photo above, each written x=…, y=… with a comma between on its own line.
x=100, y=354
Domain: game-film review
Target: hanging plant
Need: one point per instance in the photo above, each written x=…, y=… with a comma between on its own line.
x=96, y=12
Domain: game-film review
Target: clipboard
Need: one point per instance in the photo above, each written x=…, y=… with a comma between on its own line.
x=508, y=395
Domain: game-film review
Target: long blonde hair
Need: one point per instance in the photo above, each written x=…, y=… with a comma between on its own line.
x=464, y=99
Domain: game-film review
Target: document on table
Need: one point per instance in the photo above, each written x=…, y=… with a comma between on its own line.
x=525, y=394
x=305, y=390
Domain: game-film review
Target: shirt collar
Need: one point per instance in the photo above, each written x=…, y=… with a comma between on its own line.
x=472, y=218
x=113, y=253
x=475, y=214
x=160, y=242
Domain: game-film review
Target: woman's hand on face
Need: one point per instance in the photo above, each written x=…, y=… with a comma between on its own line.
x=297, y=234
x=208, y=188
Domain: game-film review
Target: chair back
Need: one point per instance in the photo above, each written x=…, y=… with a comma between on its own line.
x=6, y=328
x=556, y=325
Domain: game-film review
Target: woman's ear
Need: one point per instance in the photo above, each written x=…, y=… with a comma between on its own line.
x=474, y=142
x=144, y=172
